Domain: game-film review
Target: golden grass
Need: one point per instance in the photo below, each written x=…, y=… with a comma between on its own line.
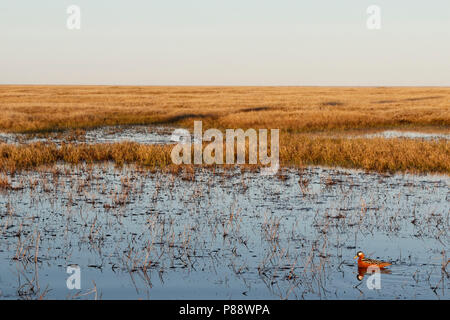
x=312, y=122
x=382, y=155
x=292, y=109
x=376, y=154
x=19, y=157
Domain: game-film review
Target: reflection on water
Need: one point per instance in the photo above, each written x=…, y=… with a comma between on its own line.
x=364, y=271
x=164, y=135
x=138, y=134
x=408, y=134
x=221, y=234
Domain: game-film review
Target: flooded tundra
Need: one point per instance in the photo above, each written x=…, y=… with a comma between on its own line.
x=390, y=134
x=208, y=233
x=163, y=135
x=138, y=134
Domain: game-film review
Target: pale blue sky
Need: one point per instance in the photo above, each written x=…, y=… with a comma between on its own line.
x=226, y=42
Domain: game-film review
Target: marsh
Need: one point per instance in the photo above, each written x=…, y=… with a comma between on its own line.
x=222, y=234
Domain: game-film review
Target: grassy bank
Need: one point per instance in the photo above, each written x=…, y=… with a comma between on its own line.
x=382, y=155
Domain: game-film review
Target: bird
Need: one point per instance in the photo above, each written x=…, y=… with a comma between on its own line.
x=364, y=262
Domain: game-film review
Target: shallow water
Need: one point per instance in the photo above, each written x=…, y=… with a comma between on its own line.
x=138, y=134
x=164, y=135
x=215, y=234
x=408, y=134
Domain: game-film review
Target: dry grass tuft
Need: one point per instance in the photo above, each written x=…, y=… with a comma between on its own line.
x=4, y=183
x=382, y=155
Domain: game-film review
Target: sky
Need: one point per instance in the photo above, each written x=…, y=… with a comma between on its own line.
x=226, y=42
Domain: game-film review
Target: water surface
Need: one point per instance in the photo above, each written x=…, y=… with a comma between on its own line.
x=222, y=234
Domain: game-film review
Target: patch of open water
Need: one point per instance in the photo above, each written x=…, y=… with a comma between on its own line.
x=390, y=134
x=138, y=134
x=165, y=135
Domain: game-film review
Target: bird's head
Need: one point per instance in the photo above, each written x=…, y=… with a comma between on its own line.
x=359, y=254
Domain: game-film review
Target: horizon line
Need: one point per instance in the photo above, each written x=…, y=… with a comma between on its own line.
x=220, y=85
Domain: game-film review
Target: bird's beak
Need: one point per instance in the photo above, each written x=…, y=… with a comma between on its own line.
x=356, y=257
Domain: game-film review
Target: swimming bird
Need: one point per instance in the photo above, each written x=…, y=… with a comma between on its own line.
x=364, y=262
